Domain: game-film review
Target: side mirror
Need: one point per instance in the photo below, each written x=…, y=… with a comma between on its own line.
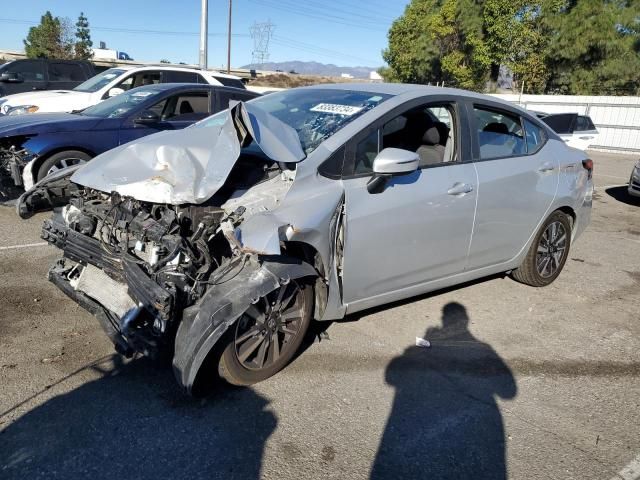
x=11, y=78
x=390, y=162
x=147, y=117
x=114, y=91
x=395, y=161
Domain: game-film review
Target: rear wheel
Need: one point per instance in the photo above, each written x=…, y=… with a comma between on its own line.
x=61, y=160
x=267, y=335
x=548, y=252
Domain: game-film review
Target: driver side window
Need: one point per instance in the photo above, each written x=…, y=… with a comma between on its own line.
x=427, y=130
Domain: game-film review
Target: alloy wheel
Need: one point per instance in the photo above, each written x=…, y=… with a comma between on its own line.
x=64, y=163
x=267, y=329
x=551, y=249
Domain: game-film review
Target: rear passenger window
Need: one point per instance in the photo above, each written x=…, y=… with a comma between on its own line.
x=499, y=134
x=535, y=136
x=584, y=124
x=230, y=82
x=65, y=72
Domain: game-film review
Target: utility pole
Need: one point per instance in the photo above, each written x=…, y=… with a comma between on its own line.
x=204, y=33
x=229, y=39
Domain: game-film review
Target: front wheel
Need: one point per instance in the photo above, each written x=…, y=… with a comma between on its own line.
x=267, y=335
x=61, y=160
x=547, y=254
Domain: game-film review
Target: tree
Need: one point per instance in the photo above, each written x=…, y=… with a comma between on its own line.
x=49, y=39
x=164, y=60
x=83, y=39
x=436, y=41
x=567, y=46
x=595, y=48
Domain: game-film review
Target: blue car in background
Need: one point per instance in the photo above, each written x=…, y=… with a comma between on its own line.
x=33, y=146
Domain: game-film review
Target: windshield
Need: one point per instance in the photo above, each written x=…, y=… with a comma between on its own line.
x=315, y=114
x=119, y=105
x=96, y=83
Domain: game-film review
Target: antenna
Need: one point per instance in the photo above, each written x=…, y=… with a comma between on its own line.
x=261, y=34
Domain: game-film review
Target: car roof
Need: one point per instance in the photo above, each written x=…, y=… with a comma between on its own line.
x=175, y=69
x=409, y=90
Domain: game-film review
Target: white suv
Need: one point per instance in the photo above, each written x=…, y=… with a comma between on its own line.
x=108, y=84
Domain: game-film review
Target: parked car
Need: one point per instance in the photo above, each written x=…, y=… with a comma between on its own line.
x=110, y=83
x=26, y=75
x=222, y=242
x=33, y=146
x=578, y=131
x=634, y=181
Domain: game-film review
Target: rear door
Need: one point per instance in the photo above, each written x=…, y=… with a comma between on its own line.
x=584, y=133
x=518, y=181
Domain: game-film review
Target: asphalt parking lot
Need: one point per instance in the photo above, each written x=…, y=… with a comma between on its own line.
x=519, y=382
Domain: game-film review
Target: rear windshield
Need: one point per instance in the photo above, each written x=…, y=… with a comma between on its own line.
x=97, y=82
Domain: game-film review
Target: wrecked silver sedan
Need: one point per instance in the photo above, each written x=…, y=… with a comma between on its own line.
x=222, y=242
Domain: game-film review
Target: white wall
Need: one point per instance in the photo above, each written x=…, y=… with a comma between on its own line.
x=616, y=118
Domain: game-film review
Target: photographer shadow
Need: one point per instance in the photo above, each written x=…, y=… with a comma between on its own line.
x=445, y=421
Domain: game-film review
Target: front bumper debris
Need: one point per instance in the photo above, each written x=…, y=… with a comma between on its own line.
x=155, y=300
x=13, y=163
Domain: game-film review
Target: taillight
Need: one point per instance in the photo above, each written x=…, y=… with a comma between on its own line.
x=588, y=166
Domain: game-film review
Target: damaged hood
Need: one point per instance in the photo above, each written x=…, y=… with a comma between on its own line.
x=190, y=165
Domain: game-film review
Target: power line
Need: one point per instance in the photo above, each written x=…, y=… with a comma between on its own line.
x=130, y=30
x=325, y=52
x=297, y=10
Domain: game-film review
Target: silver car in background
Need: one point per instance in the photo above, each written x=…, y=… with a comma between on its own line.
x=222, y=242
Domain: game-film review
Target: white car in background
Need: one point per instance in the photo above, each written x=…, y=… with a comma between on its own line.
x=577, y=131
x=107, y=84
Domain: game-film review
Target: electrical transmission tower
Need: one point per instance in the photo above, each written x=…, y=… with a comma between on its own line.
x=261, y=34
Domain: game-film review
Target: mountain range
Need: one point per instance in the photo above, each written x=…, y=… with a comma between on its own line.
x=313, y=68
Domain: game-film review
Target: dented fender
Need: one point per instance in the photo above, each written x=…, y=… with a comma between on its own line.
x=204, y=323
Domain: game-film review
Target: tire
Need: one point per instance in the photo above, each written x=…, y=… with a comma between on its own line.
x=548, y=253
x=61, y=160
x=240, y=362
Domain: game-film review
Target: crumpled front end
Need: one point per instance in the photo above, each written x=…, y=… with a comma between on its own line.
x=162, y=273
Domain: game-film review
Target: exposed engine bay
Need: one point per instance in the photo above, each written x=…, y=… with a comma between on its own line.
x=138, y=265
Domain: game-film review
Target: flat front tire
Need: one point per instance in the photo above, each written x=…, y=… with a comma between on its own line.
x=267, y=336
x=548, y=252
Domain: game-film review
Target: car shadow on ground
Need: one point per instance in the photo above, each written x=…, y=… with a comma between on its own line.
x=134, y=422
x=445, y=421
x=622, y=195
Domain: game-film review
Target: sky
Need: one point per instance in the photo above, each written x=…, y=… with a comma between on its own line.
x=343, y=32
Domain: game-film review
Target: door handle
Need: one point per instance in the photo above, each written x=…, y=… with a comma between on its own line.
x=586, y=138
x=459, y=188
x=546, y=167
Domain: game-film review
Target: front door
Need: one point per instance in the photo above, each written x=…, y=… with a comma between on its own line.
x=418, y=229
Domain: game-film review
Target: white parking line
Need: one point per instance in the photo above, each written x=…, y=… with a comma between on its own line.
x=26, y=245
